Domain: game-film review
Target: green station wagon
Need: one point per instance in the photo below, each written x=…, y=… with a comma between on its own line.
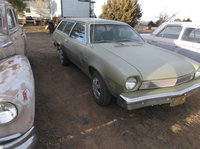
x=122, y=65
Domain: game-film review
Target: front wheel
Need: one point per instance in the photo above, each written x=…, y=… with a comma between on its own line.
x=63, y=58
x=100, y=92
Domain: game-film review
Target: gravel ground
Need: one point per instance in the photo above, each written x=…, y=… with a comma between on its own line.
x=68, y=118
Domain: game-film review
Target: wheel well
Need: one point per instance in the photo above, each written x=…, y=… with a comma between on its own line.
x=58, y=46
x=92, y=70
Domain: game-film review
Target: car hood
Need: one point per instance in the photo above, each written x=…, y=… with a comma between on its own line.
x=17, y=87
x=152, y=62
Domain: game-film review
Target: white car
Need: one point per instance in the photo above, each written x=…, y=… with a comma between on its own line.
x=180, y=37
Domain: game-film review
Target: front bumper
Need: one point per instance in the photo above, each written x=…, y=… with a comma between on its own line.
x=25, y=141
x=156, y=98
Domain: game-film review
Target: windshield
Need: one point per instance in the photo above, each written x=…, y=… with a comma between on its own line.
x=104, y=33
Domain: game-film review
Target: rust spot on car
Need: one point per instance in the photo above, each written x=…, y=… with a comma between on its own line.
x=11, y=61
x=15, y=67
x=112, y=84
x=3, y=67
x=24, y=93
x=11, y=92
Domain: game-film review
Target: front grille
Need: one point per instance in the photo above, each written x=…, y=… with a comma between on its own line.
x=166, y=83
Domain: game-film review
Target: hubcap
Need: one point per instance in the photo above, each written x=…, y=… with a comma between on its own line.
x=96, y=88
x=61, y=56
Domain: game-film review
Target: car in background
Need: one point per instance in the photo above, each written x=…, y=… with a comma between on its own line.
x=17, y=91
x=30, y=20
x=122, y=65
x=180, y=37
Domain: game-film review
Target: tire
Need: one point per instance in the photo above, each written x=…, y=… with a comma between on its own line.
x=63, y=58
x=100, y=92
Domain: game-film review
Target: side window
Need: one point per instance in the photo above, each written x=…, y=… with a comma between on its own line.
x=15, y=16
x=79, y=32
x=62, y=25
x=192, y=35
x=10, y=19
x=171, y=32
x=68, y=27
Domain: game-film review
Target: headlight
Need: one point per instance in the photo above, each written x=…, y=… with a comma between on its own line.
x=197, y=74
x=131, y=83
x=7, y=112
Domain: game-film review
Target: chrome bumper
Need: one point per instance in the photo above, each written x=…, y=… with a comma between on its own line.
x=26, y=141
x=154, y=99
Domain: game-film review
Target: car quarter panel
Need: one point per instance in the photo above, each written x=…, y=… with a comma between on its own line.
x=114, y=70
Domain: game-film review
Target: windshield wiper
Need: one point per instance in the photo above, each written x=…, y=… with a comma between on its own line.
x=102, y=41
x=123, y=40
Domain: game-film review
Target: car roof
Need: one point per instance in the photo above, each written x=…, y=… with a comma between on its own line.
x=94, y=21
x=184, y=24
x=4, y=2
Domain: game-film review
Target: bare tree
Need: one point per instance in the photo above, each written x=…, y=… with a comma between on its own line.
x=42, y=7
x=164, y=17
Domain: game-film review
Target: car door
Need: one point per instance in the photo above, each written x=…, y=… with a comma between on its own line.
x=59, y=35
x=65, y=41
x=15, y=32
x=166, y=37
x=76, y=45
x=66, y=31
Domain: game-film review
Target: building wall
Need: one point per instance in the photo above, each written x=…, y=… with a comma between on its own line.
x=75, y=8
x=55, y=8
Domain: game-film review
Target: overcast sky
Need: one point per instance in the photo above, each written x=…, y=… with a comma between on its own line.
x=151, y=8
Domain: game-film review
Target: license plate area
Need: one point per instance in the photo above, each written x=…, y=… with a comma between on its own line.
x=178, y=101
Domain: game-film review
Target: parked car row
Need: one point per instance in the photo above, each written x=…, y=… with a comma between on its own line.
x=122, y=65
x=111, y=53
x=17, y=91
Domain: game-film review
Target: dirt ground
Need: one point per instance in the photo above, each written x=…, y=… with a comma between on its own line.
x=68, y=118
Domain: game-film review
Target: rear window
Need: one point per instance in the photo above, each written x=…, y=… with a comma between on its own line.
x=192, y=35
x=62, y=25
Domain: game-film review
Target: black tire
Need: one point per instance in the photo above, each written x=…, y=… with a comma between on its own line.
x=63, y=58
x=100, y=92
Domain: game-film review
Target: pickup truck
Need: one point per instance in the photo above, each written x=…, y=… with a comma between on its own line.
x=17, y=91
